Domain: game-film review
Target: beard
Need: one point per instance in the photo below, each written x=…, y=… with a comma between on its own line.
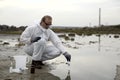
x=47, y=25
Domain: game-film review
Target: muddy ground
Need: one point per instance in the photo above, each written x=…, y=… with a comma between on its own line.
x=40, y=74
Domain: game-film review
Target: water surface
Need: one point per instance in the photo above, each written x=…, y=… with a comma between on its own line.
x=93, y=58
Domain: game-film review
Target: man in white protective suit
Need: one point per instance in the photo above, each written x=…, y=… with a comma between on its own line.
x=35, y=38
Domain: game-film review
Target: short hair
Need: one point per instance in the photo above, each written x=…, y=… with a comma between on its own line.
x=44, y=17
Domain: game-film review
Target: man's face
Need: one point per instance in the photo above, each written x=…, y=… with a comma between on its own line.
x=48, y=22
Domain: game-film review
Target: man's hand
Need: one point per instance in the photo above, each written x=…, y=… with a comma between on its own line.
x=67, y=56
x=35, y=39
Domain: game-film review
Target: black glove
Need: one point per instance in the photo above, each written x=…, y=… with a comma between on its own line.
x=35, y=39
x=67, y=56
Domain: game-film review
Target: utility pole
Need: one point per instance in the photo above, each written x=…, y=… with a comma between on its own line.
x=99, y=17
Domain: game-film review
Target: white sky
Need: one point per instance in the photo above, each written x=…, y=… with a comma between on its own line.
x=64, y=12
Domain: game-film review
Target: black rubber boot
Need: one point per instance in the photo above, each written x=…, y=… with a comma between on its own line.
x=41, y=63
x=32, y=67
x=35, y=64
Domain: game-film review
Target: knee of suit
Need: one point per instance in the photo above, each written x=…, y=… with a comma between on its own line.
x=57, y=53
x=51, y=56
x=28, y=49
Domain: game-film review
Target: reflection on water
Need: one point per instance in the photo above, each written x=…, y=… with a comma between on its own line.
x=117, y=76
x=99, y=40
x=93, y=58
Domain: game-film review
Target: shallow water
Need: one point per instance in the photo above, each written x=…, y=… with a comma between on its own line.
x=93, y=58
x=93, y=61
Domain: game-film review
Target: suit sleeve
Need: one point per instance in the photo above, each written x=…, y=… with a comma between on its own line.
x=26, y=36
x=57, y=42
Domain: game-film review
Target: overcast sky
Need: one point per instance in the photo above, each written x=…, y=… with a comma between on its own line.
x=64, y=12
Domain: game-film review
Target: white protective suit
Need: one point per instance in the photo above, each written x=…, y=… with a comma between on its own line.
x=40, y=50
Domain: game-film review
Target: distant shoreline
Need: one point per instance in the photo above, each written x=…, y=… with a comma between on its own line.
x=74, y=31
x=11, y=32
x=111, y=29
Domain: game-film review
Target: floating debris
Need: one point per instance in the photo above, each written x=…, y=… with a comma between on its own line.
x=18, y=39
x=72, y=39
x=88, y=34
x=19, y=44
x=67, y=38
x=1, y=41
x=64, y=36
x=5, y=43
x=61, y=35
x=13, y=39
x=98, y=35
x=63, y=42
x=80, y=34
x=71, y=34
x=116, y=36
x=75, y=47
x=109, y=36
x=78, y=43
x=92, y=42
x=70, y=46
x=15, y=49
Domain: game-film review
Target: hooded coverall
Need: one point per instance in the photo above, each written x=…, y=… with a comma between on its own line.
x=40, y=50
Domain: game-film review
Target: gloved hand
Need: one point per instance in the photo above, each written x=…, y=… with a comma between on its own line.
x=67, y=56
x=35, y=39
